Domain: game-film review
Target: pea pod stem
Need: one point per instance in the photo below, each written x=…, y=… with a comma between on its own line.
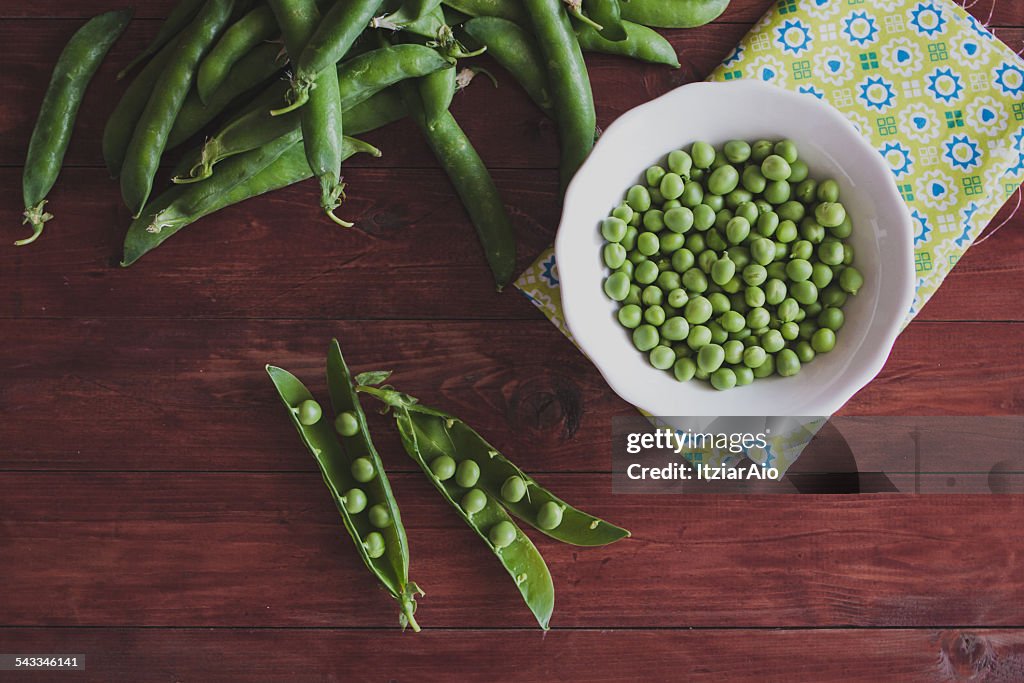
x=575, y=8
x=77, y=64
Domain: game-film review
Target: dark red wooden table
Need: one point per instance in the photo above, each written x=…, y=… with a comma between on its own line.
x=158, y=513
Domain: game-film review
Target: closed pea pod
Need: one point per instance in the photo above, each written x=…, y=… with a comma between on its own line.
x=177, y=20
x=673, y=13
x=142, y=158
x=513, y=11
x=243, y=36
x=640, y=43
x=608, y=15
x=76, y=66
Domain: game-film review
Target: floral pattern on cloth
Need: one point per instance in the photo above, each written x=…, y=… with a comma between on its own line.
x=935, y=92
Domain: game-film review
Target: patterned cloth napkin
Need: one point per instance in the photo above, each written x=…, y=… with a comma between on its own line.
x=939, y=97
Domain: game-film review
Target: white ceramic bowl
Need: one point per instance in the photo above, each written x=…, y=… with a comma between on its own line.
x=716, y=112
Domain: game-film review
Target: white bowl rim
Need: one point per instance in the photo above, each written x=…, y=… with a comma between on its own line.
x=871, y=363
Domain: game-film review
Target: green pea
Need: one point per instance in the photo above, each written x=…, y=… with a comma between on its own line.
x=638, y=198
x=811, y=231
x=787, y=310
x=766, y=369
x=679, y=220
x=828, y=191
x=623, y=212
x=774, y=291
x=798, y=270
x=733, y=286
x=772, y=341
x=652, y=295
x=474, y=501
x=804, y=351
x=790, y=211
x=379, y=516
x=346, y=423
x=696, y=173
x=801, y=249
x=617, y=286
x=813, y=309
x=698, y=310
x=677, y=298
x=755, y=274
x=656, y=198
x=804, y=292
x=682, y=260
x=467, y=473
x=654, y=220
x=844, y=229
x=733, y=351
x=614, y=255
x=738, y=303
x=737, y=151
x=737, y=229
x=777, y=192
x=669, y=280
x=723, y=379
x=744, y=375
x=753, y=180
x=502, y=534
x=738, y=197
x=767, y=223
x=671, y=186
x=703, y=154
x=763, y=207
x=715, y=240
x=645, y=273
x=754, y=297
x=774, y=167
x=653, y=175
x=760, y=149
x=374, y=544
x=821, y=275
x=645, y=337
x=847, y=254
x=670, y=204
x=715, y=202
x=719, y=303
x=710, y=357
x=723, y=270
x=757, y=318
x=634, y=294
x=789, y=331
x=629, y=241
x=830, y=214
x=851, y=280
x=762, y=250
x=798, y=168
x=778, y=268
x=754, y=356
x=443, y=467
x=833, y=295
x=694, y=280
x=787, y=363
x=684, y=369
x=670, y=242
x=675, y=328
x=613, y=229
x=707, y=260
x=654, y=315
x=679, y=162
x=699, y=336
x=514, y=489
x=749, y=211
x=309, y=412
x=806, y=190
x=824, y=340
x=740, y=256
x=354, y=501
x=692, y=195
x=662, y=357
x=703, y=217
x=723, y=180
x=630, y=316
x=732, y=321
x=695, y=242
x=363, y=470
x=832, y=318
x=549, y=516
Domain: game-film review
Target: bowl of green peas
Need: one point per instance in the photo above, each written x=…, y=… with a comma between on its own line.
x=735, y=249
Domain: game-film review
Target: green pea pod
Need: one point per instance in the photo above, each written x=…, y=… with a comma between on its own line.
x=516, y=51
x=253, y=70
x=520, y=558
x=181, y=14
x=75, y=68
x=438, y=91
x=641, y=43
x=380, y=109
x=444, y=434
x=288, y=169
x=117, y=132
x=513, y=11
x=473, y=184
x=568, y=81
x=243, y=36
x=358, y=79
x=150, y=137
x=391, y=567
x=607, y=14
x=673, y=13
x=328, y=45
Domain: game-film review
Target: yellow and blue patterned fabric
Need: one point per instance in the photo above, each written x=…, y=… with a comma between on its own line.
x=936, y=93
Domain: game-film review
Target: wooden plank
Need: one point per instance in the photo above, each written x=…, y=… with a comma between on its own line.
x=267, y=550
x=412, y=255
x=156, y=394
x=738, y=655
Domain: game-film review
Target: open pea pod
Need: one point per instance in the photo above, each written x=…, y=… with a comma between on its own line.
x=443, y=434
x=518, y=555
x=367, y=507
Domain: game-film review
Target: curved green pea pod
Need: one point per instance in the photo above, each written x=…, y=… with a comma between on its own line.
x=641, y=43
x=392, y=567
x=287, y=169
x=513, y=11
x=521, y=559
x=673, y=13
x=437, y=91
x=443, y=434
x=179, y=17
x=515, y=50
x=608, y=15
x=243, y=36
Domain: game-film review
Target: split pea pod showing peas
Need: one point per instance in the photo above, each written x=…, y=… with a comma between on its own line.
x=76, y=66
x=568, y=81
x=640, y=43
x=149, y=139
x=321, y=121
x=515, y=49
x=482, y=512
x=673, y=13
x=358, y=485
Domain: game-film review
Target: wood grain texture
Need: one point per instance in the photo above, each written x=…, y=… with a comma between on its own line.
x=739, y=655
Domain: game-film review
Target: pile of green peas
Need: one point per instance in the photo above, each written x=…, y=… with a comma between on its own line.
x=731, y=265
